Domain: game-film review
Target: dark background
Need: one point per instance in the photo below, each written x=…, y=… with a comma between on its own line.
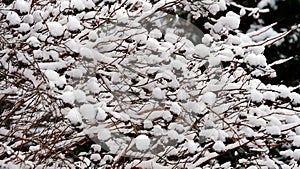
x=287, y=14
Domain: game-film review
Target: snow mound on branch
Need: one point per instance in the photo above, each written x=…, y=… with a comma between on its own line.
x=202, y=50
x=74, y=116
x=88, y=111
x=73, y=24
x=256, y=96
x=256, y=60
x=209, y=98
x=55, y=29
x=158, y=93
x=52, y=75
x=142, y=142
x=232, y=20
x=13, y=18
x=103, y=134
x=219, y=146
x=77, y=4
x=22, y=6
x=68, y=97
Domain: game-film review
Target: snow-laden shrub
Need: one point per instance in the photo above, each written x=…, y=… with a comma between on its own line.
x=123, y=84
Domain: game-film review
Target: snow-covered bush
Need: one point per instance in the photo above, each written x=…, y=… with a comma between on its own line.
x=128, y=83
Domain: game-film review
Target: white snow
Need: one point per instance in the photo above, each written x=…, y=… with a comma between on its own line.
x=231, y=20
x=96, y=148
x=55, y=29
x=202, y=50
x=296, y=154
x=155, y=33
x=148, y=124
x=146, y=6
x=273, y=121
x=142, y=142
x=121, y=116
x=79, y=96
x=152, y=44
x=93, y=85
x=157, y=131
x=89, y=4
x=214, y=61
x=214, y=8
x=273, y=130
x=173, y=135
x=33, y=42
x=280, y=61
x=142, y=38
x=266, y=3
x=222, y=5
x=101, y=114
x=35, y=148
x=252, y=167
x=177, y=64
x=28, y=19
x=217, y=27
x=171, y=37
x=13, y=18
x=112, y=106
x=219, y=146
x=192, y=146
x=269, y=163
x=37, y=16
x=158, y=93
x=93, y=36
x=74, y=116
x=121, y=16
x=175, y=108
x=166, y=115
x=24, y=28
x=195, y=107
x=242, y=12
x=95, y=157
x=269, y=95
x=116, y=77
x=61, y=81
x=86, y=53
x=22, y=6
x=39, y=27
x=77, y=4
x=51, y=75
x=295, y=97
x=296, y=141
x=257, y=122
x=76, y=73
x=173, y=151
x=235, y=40
x=88, y=112
x=68, y=97
x=287, y=153
x=257, y=50
x=146, y=164
x=182, y=94
x=256, y=96
x=207, y=39
x=249, y=132
x=209, y=98
x=227, y=52
x=73, y=24
x=103, y=134
x=283, y=91
x=64, y=5
x=256, y=60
